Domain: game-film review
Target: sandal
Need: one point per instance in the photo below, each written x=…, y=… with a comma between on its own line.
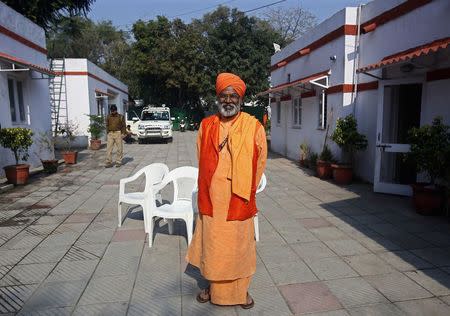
x=201, y=296
x=248, y=305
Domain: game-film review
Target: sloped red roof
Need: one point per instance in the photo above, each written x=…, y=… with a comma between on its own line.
x=23, y=63
x=294, y=83
x=408, y=54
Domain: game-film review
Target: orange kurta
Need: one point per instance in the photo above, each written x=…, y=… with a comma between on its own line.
x=225, y=250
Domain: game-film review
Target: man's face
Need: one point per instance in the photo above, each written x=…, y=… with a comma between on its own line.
x=229, y=102
x=113, y=111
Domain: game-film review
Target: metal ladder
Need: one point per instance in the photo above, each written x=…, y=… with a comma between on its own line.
x=58, y=95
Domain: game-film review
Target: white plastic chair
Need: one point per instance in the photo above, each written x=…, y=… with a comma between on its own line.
x=260, y=188
x=154, y=174
x=184, y=181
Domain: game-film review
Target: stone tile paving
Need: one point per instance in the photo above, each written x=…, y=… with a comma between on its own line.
x=324, y=249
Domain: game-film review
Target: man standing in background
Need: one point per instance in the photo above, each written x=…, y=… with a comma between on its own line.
x=115, y=128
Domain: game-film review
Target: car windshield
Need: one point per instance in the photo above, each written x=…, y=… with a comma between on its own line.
x=155, y=116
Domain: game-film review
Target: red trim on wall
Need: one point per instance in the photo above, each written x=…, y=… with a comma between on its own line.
x=341, y=31
x=305, y=51
x=408, y=54
x=11, y=59
x=394, y=13
x=308, y=94
x=22, y=40
x=372, y=85
x=85, y=73
x=340, y=88
x=439, y=74
x=347, y=87
x=349, y=29
x=369, y=28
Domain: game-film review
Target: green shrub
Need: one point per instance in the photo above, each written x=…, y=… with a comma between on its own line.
x=326, y=154
x=313, y=160
x=97, y=126
x=430, y=149
x=346, y=136
x=304, y=150
x=18, y=140
x=68, y=133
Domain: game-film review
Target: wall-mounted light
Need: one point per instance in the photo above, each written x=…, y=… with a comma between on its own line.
x=333, y=58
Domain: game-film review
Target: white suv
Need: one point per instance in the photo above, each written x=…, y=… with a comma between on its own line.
x=155, y=123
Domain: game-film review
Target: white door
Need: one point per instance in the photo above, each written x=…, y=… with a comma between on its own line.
x=398, y=110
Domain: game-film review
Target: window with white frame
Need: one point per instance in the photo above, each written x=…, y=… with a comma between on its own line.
x=16, y=100
x=278, y=111
x=296, y=112
x=322, y=110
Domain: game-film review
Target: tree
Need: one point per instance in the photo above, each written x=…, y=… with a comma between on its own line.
x=238, y=43
x=47, y=13
x=101, y=43
x=79, y=37
x=290, y=23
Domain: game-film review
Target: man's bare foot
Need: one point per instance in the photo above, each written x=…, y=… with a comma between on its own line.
x=203, y=296
x=250, y=302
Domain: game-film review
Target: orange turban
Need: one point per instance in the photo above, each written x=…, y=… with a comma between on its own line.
x=226, y=79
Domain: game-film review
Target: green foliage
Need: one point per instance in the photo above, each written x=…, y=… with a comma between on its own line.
x=347, y=137
x=97, y=126
x=430, y=149
x=17, y=139
x=313, y=160
x=45, y=142
x=68, y=133
x=304, y=150
x=268, y=126
x=326, y=154
x=177, y=63
x=47, y=13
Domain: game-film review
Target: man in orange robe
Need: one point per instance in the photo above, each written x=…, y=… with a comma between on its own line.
x=232, y=152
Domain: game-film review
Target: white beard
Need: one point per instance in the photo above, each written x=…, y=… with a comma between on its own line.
x=229, y=110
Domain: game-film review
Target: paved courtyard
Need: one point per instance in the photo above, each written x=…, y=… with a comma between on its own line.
x=324, y=249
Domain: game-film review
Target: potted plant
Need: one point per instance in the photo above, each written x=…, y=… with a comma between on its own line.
x=46, y=148
x=313, y=160
x=304, y=154
x=430, y=146
x=96, y=129
x=68, y=132
x=18, y=140
x=323, y=165
x=346, y=136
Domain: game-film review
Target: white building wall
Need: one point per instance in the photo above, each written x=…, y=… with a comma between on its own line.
x=423, y=25
x=83, y=78
x=317, y=61
x=36, y=93
x=436, y=102
x=410, y=30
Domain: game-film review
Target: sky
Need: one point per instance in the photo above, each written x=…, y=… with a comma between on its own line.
x=124, y=12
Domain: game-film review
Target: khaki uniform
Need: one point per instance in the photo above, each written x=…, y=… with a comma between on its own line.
x=115, y=127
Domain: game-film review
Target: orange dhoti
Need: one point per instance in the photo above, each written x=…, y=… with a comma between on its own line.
x=225, y=251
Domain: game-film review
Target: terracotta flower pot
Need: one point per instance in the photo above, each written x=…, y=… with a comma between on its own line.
x=70, y=157
x=303, y=163
x=342, y=174
x=96, y=144
x=50, y=166
x=17, y=174
x=324, y=170
x=427, y=200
